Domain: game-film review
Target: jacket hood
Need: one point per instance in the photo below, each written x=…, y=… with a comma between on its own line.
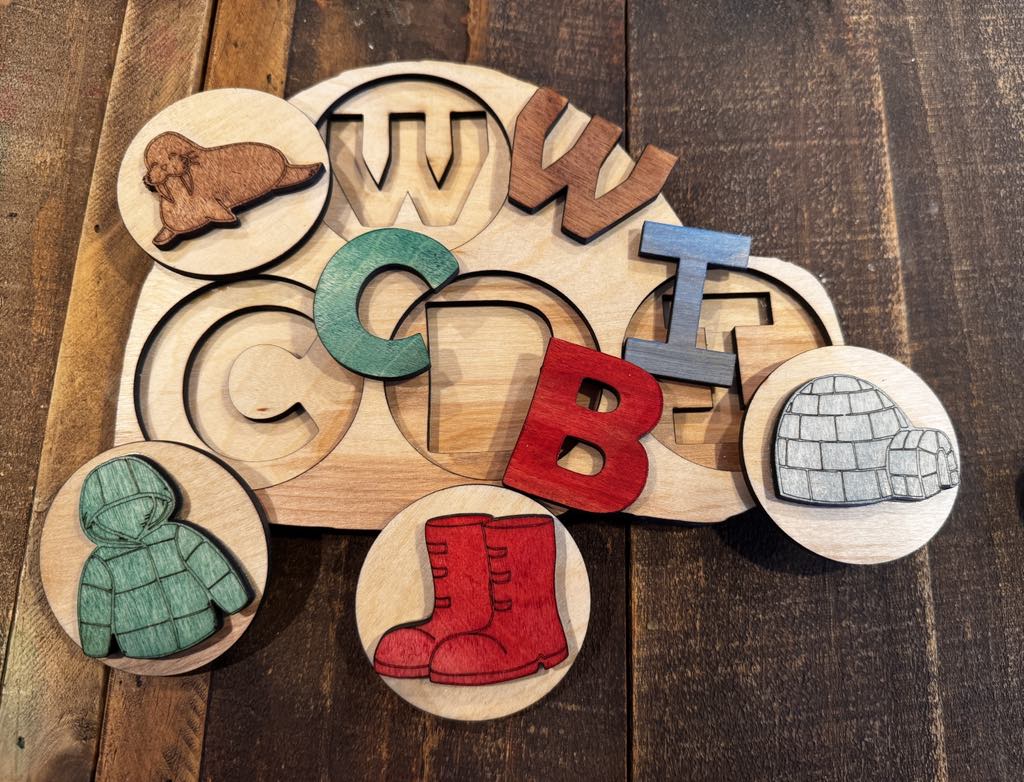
x=124, y=499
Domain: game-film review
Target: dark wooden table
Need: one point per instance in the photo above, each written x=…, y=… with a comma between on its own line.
x=879, y=144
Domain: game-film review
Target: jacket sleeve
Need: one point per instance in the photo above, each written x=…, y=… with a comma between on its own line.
x=95, y=608
x=207, y=563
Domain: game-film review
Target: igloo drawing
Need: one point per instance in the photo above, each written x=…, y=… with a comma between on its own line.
x=841, y=440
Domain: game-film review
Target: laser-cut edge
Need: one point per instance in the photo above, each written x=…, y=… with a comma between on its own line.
x=188, y=115
x=395, y=571
x=319, y=113
x=97, y=497
x=888, y=484
x=444, y=460
x=205, y=288
x=803, y=286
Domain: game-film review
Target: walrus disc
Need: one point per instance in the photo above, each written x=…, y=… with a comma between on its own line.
x=223, y=182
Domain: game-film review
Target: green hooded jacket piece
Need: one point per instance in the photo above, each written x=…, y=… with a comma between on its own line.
x=151, y=582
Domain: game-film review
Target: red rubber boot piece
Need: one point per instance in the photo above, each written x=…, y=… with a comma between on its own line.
x=462, y=602
x=525, y=632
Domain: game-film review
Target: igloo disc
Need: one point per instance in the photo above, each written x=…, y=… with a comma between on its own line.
x=851, y=454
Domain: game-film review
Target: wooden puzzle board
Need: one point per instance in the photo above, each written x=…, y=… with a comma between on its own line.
x=223, y=365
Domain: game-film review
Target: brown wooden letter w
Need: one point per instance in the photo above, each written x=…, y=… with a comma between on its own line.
x=586, y=215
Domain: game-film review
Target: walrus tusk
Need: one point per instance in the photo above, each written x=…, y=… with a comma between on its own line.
x=186, y=177
x=165, y=191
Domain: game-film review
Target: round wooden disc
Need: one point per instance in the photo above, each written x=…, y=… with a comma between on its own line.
x=395, y=588
x=265, y=231
x=860, y=534
x=212, y=498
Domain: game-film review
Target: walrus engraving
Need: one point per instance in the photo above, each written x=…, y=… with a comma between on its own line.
x=200, y=187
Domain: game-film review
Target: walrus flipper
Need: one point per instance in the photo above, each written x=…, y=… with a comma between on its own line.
x=218, y=213
x=164, y=237
x=293, y=176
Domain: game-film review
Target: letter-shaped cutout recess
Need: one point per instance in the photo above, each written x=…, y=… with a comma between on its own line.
x=586, y=215
x=555, y=417
x=679, y=358
x=336, y=304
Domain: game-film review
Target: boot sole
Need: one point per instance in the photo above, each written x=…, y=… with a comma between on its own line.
x=493, y=677
x=401, y=672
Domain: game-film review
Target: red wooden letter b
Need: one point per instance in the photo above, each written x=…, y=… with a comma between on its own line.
x=555, y=417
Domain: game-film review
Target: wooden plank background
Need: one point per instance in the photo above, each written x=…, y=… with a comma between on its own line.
x=877, y=142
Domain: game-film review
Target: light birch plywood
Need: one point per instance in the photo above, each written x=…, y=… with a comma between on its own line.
x=864, y=534
x=210, y=497
x=225, y=370
x=588, y=292
x=415, y=154
x=265, y=231
x=487, y=337
x=395, y=587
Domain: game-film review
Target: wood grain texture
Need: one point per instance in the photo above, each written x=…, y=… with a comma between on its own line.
x=52, y=693
x=246, y=352
x=341, y=285
x=579, y=728
x=588, y=212
x=44, y=183
x=678, y=358
x=858, y=534
x=466, y=414
x=951, y=75
x=767, y=314
x=395, y=589
x=169, y=710
x=201, y=572
x=401, y=159
x=230, y=177
x=249, y=45
x=878, y=144
x=555, y=418
x=783, y=137
x=180, y=209
x=351, y=468
x=331, y=38
x=172, y=711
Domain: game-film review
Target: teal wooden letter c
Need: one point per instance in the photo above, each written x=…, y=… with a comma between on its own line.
x=336, y=304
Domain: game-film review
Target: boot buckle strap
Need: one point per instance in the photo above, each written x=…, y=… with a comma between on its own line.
x=497, y=552
x=442, y=602
x=501, y=576
x=502, y=605
x=439, y=572
x=437, y=548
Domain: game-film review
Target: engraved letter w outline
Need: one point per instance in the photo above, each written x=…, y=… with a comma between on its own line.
x=432, y=160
